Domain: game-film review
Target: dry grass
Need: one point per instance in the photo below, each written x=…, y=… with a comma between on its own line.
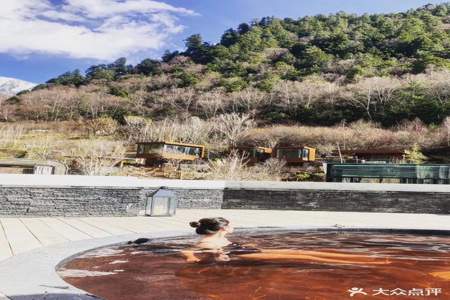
x=234, y=167
x=10, y=135
x=220, y=132
x=359, y=135
x=95, y=157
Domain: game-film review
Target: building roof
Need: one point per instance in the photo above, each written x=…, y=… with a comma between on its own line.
x=291, y=146
x=171, y=143
x=374, y=152
x=265, y=149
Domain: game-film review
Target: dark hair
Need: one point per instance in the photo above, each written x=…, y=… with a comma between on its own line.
x=209, y=225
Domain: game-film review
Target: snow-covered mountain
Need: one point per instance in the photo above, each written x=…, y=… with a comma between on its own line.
x=11, y=86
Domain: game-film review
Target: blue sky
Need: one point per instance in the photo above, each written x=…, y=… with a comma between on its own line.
x=48, y=37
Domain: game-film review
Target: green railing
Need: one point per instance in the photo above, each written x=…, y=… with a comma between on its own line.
x=403, y=172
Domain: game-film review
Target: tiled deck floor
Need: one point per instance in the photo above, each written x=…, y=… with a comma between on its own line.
x=19, y=235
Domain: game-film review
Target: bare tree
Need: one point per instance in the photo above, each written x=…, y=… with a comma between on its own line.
x=211, y=103
x=248, y=99
x=103, y=126
x=234, y=167
x=135, y=129
x=231, y=126
x=437, y=84
x=370, y=93
x=190, y=130
x=295, y=94
x=179, y=99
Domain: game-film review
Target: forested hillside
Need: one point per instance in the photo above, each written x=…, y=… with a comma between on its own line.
x=335, y=82
x=320, y=70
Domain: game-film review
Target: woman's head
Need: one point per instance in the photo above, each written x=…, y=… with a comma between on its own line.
x=211, y=225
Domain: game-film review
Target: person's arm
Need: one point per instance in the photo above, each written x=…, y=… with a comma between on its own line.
x=190, y=256
x=330, y=257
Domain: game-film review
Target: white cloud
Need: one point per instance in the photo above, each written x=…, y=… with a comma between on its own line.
x=104, y=8
x=96, y=29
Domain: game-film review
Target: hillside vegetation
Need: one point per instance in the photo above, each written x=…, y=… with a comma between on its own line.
x=353, y=81
x=317, y=70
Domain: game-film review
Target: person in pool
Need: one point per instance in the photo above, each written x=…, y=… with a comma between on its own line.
x=213, y=232
x=213, y=239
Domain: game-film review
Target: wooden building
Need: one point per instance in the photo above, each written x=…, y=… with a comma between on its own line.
x=375, y=155
x=255, y=155
x=26, y=166
x=294, y=154
x=156, y=152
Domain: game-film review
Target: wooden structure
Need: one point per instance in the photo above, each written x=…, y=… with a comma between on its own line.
x=157, y=152
x=25, y=166
x=375, y=155
x=294, y=154
x=255, y=155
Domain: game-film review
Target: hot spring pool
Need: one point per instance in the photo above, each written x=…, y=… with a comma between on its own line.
x=315, y=265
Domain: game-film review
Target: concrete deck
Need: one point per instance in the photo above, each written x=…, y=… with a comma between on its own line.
x=39, y=244
x=19, y=235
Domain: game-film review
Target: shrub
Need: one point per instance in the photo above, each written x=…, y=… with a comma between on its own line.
x=103, y=126
x=414, y=155
x=233, y=84
x=118, y=91
x=234, y=167
x=95, y=157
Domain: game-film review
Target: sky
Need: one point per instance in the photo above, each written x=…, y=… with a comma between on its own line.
x=40, y=39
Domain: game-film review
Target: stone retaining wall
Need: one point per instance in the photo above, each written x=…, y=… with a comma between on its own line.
x=70, y=201
x=94, y=201
x=30, y=195
x=199, y=199
x=338, y=200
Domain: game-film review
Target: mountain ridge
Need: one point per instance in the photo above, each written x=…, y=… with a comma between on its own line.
x=11, y=86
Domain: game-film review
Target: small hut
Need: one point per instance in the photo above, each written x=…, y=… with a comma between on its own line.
x=156, y=152
x=379, y=155
x=294, y=154
x=25, y=166
x=255, y=155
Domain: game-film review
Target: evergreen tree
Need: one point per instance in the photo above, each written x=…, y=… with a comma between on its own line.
x=148, y=67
